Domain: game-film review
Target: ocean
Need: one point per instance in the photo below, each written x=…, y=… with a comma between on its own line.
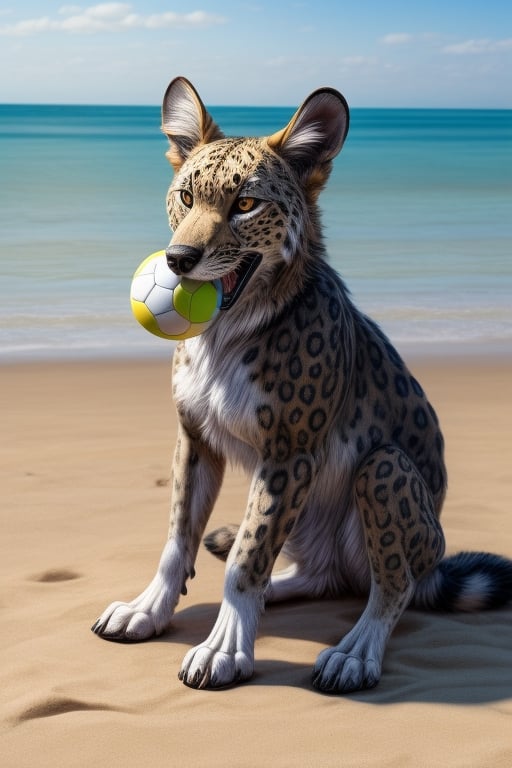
x=417, y=215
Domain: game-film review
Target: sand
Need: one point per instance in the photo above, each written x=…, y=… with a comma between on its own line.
x=86, y=450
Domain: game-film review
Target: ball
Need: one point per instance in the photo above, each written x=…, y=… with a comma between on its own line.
x=169, y=306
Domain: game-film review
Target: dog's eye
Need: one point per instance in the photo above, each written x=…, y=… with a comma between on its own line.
x=186, y=198
x=244, y=204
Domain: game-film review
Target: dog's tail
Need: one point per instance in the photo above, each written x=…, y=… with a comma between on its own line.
x=468, y=581
x=220, y=541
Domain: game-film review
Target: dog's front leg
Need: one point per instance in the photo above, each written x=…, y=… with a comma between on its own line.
x=197, y=475
x=278, y=494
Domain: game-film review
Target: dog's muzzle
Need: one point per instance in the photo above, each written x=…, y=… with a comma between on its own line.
x=182, y=258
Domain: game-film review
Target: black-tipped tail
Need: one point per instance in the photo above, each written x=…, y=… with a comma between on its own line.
x=469, y=581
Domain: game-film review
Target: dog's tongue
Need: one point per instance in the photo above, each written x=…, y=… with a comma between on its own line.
x=229, y=281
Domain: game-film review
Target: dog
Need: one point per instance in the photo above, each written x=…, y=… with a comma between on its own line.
x=292, y=382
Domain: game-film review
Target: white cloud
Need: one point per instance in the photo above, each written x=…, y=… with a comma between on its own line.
x=478, y=46
x=396, y=38
x=107, y=17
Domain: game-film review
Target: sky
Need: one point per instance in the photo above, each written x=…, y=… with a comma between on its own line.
x=394, y=53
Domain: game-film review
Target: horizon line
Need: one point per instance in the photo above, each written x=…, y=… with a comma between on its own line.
x=244, y=106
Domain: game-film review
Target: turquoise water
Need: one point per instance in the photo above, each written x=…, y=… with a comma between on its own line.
x=417, y=214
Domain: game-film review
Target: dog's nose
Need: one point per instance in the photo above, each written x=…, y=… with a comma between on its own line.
x=182, y=258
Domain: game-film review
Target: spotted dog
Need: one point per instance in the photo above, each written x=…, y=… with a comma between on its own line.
x=293, y=383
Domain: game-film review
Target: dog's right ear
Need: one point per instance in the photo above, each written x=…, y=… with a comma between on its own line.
x=185, y=121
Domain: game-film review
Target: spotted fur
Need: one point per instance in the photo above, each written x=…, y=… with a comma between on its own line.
x=305, y=392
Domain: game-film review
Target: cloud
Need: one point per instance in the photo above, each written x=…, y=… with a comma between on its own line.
x=107, y=17
x=478, y=46
x=396, y=38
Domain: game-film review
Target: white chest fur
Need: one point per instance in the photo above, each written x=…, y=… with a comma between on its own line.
x=215, y=390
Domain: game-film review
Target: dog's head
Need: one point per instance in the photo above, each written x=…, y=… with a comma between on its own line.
x=244, y=206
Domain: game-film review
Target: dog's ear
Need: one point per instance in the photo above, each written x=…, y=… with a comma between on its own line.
x=314, y=136
x=185, y=121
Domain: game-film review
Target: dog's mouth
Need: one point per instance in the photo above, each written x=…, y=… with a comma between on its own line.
x=234, y=282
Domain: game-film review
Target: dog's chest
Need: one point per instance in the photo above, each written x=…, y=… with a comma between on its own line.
x=214, y=394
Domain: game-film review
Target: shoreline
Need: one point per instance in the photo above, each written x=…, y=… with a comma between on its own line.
x=437, y=351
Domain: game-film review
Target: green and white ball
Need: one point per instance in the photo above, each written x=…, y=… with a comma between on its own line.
x=169, y=306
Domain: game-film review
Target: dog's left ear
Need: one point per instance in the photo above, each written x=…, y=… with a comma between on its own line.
x=314, y=135
x=186, y=121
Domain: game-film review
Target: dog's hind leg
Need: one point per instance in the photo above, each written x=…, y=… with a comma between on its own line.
x=404, y=543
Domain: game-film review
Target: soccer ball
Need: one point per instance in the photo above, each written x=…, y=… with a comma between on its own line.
x=169, y=306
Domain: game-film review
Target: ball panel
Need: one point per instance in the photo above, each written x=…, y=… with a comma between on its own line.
x=181, y=299
x=196, y=329
x=148, y=265
x=163, y=275
x=191, y=286
x=204, y=303
x=145, y=318
x=172, y=325
x=142, y=285
x=159, y=300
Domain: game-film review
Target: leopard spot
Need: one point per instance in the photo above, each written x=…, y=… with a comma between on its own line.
x=399, y=483
x=420, y=417
x=303, y=438
x=404, y=463
x=381, y=493
x=315, y=344
x=317, y=419
x=384, y=469
x=334, y=309
x=307, y=394
x=250, y=356
x=278, y=482
x=375, y=355
x=387, y=539
x=375, y=435
x=401, y=385
x=416, y=386
x=295, y=367
x=286, y=391
x=405, y=509
x=393, y=562
x=295, y=416
x=284, y=341
x=261, y=530
x=380, y=378
x=265, y=417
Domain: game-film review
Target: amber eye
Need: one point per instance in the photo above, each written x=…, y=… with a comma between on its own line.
x=244, y=204
x=186, y=198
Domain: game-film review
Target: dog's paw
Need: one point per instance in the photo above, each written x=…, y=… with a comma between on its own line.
x=339, y=672
x=205, y=667
x=227, y=656
x=125, y=623
x=146, y=616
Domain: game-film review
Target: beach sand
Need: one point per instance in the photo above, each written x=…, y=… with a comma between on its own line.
x=86, y=450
